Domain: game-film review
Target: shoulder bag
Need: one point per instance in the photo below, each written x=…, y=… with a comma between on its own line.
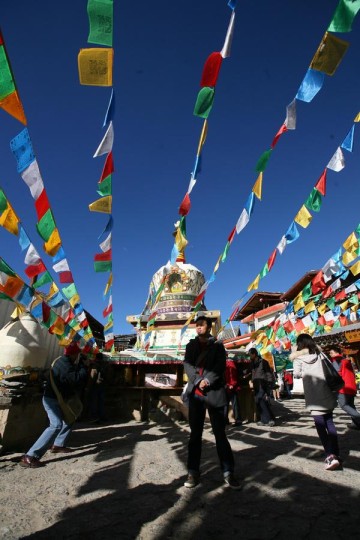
x=332, y=377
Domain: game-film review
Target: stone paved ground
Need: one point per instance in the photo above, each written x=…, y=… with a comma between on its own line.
x=125, y=481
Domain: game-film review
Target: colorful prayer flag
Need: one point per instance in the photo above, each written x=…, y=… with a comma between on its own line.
x=96, y=66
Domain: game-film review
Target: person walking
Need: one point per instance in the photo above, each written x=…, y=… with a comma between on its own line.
x=204, y=365
x=346, y=395
x=232, y=392
x=262, y=379
x=319, y=399
x=67, y=376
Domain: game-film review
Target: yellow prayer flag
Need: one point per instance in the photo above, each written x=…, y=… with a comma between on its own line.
x=309, y=307
x=348, y=257
x=354, y=308
x=257, y=187
x=52, y=246
x=109, y=283
x=355, y=268
x=260, y=338
x=111, y=323
x=329, y=54
x=322, y=308
x=96, y=66
x=311, y=329
x=357, y=117
x=17, y=311
x=9, y=220
x=58, y=327
x=327, y=328
x=74, y=300
x=344, y=305
x=102, y=205
x=255, y=284
x=351, y=243
x=202, y=137
x=53, y=289
x=303, y=217
x=298, y=302
x=13, y=106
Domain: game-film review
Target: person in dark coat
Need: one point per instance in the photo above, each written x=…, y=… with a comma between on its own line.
x=262, y=378
x=204, y=365
x=68, y=376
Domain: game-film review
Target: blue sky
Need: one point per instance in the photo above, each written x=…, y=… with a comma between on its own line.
x=160, y=49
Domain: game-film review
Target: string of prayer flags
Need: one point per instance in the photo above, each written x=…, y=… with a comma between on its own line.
x=96, y=66
x=100, y=14
x=103, y=262
x=344, y=15
x=9, y=97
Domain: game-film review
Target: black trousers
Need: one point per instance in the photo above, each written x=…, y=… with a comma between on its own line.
x=263, y=409
x=197, y=410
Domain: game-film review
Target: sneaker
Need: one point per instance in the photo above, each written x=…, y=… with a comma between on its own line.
x=331, y=463
x=192, y=480
x=271, y=423
x=231, y=481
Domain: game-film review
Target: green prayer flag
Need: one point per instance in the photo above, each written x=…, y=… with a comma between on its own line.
x=264, y=271
x=204, y=102
x=306, y=292
x=46, y=225
x=225, y=252
x=314, y=201
x=110, y=317
x=100, y=14
x=7, y=84
x=105, y=187
x=51, y=319
x=263, y=161
x=70, y=291
x=5, y=268
x=45, y=278
x=357, y=231
x=102, y=266
x=344, y=15
x=354, y=299
x=331, y=303
x=317, y=297
x=337, y=324
x=3, y=202
x=280, y=332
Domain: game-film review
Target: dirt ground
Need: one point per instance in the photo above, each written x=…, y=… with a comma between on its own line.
x=125, y=481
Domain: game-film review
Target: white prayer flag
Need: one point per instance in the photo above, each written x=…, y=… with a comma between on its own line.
x=33, y=180
x=337, y=162
x=242, y=221
x=61, y=266
x=32, y=256
x=281, y=245
x=290, y=121
x=226, y=50
x=107, y=143
x=106, y=244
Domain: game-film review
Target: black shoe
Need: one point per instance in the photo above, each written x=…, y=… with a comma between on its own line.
x=192, y=480
x=231, y=482
x=30, y=462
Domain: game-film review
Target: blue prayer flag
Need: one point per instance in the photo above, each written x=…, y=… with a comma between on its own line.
x=310, y=86
x=22, y=149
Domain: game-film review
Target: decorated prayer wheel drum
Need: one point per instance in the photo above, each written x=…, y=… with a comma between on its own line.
x=22, y=345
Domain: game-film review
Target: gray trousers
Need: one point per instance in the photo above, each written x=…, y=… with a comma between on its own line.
x=347, y=403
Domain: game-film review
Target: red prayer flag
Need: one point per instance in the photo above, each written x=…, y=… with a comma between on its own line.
x=108, y=167
x=45, y=311
x=231, y=235
x=318, y=283
x=106, y=256
x=199, y=298
x=282, y=130
x=66, y=277
x=35, y=269
x=42, y=204
x=299, y=325
x=271, y=260
x=211, y=70
x=328, y=292
x=343, y=320
x=321, y=183
x=107, y=311
x=340, y=296
x=185, y=206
